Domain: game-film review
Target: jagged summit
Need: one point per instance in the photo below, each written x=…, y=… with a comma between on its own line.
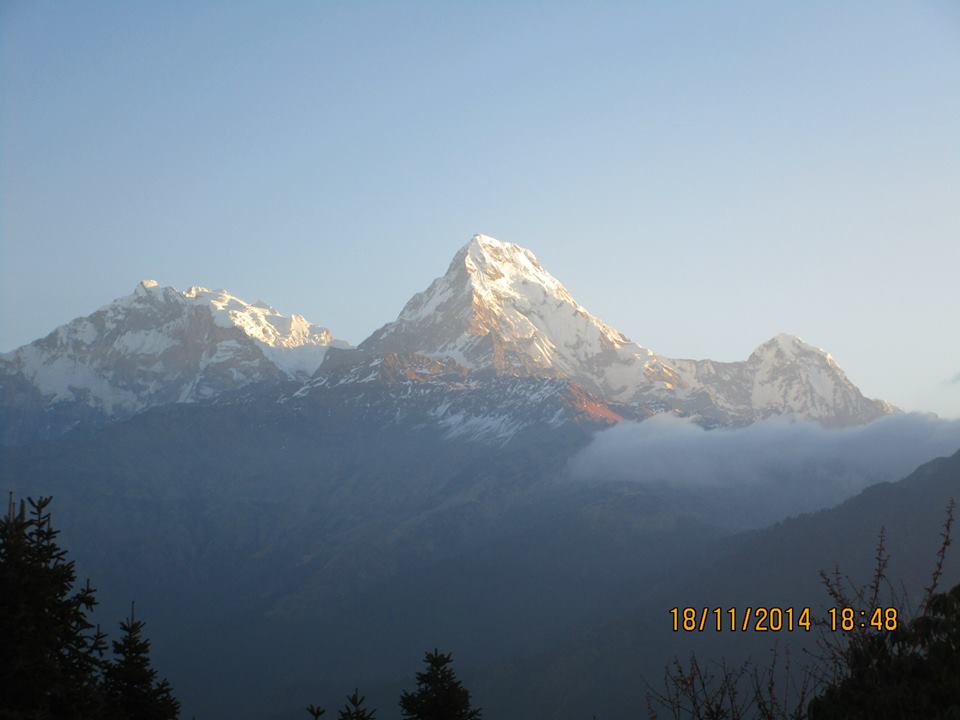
x=259, y=320
x=159, y=345
x=497, y=307
x=783, y=376
x=494, y=265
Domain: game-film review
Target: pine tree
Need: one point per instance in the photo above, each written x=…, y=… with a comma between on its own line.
x=354, y=709
x=131, y=687
x=439, y=695
x=50, y=654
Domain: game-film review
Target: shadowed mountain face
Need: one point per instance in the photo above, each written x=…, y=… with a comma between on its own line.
x=496, y=311
x=275, y=529
x=340, y=534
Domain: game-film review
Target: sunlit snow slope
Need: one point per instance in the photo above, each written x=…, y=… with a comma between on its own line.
x=496, y=308
x=158, y=346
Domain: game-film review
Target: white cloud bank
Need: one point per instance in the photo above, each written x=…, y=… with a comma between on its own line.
x=768, y=470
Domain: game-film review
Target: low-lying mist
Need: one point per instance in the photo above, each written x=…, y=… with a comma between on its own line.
x=756, y=475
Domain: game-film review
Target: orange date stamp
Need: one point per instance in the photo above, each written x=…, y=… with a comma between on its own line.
x=781, y=619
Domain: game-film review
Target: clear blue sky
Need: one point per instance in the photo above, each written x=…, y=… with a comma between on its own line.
x=700, y=175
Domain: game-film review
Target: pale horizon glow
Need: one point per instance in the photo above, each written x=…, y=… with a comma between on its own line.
x=700, y=177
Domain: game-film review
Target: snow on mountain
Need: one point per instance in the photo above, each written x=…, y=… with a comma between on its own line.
x=496, y=322
x=496, y=308
x=419, y=392
x=294, y=344
x=784, y=376
x=159, y=345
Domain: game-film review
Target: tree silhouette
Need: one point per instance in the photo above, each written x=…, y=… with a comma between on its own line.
x=52, y=662
x=50, y=653
x=439, y=695
x=354, y=709
x=131, y=686
x=910, y=673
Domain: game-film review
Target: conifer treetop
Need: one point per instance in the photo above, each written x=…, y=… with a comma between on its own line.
x=439, y=694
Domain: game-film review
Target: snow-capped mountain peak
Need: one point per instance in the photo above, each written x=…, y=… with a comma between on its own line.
x=159, y=345
x=789, y=346
x=500, y=269
x=497, y=307
x=783, y=376
x=294, y=344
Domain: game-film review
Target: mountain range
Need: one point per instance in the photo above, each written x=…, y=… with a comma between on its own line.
x=497, y=472
x=493, y=337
